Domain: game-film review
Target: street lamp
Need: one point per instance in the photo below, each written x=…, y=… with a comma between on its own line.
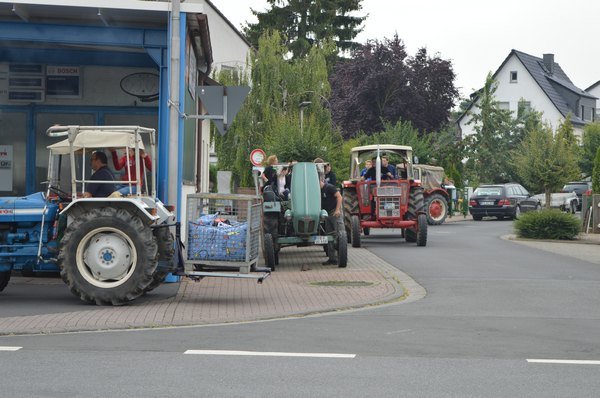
x=303, y=105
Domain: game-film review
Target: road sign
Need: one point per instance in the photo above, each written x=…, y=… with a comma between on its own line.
x=222, y=103
x=257, y=157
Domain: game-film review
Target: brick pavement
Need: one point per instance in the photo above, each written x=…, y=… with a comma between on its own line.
x=288, y=292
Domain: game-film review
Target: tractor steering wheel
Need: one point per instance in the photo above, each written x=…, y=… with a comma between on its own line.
x=65, y=196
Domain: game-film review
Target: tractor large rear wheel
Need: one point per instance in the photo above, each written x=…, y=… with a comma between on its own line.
x=350, y=203
x=436, y=208
x=108, y=256
x=4, y=278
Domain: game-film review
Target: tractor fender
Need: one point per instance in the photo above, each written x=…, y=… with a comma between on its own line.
x=80, y=206
x=439, y=191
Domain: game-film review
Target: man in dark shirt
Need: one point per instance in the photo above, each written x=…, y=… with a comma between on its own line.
x=330, y=177
x=388, y=169
x=101, y=173
x=331, y=201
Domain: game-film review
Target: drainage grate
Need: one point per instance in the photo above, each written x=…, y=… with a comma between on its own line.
x=343, y=283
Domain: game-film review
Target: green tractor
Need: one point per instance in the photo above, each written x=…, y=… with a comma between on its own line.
x=300, y=221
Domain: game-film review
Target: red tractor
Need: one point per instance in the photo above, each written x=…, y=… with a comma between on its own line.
x=384, y=203
x=437, y=195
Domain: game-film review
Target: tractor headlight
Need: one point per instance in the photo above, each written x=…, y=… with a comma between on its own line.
x=288, y=215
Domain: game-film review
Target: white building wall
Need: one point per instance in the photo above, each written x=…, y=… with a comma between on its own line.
x=525, y=88
x=228, y=47
x=596, y=93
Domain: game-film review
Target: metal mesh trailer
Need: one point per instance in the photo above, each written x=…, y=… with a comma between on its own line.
x=223, y=232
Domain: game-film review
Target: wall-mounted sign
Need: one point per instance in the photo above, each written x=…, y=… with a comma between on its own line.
x=6, y=168
x=63, y=81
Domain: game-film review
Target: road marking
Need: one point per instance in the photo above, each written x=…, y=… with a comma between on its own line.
x=399, y=331
x=8, y=348
x=564, y=361
x=269, y=354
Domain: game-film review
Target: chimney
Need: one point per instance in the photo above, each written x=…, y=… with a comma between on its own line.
x=549, y=63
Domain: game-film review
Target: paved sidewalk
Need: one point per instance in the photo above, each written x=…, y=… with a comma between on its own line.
x=289, y=292
x=367, y=280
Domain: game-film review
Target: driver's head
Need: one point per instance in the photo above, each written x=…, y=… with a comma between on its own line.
x=384, y=161
x=98, y=160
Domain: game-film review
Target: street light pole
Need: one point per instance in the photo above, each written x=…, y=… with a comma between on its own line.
x=303, y=105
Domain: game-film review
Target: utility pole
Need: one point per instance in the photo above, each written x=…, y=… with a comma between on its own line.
x=174, y=66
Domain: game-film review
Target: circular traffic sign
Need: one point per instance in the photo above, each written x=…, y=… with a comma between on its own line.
x=257, y=157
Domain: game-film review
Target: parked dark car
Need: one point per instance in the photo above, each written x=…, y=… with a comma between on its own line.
x=497, y=200
x=579, y=187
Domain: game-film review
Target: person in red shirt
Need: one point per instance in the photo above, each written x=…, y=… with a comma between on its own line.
x=128, y=163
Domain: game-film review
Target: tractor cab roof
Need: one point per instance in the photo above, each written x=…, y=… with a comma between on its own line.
x=94, y=139
x=384, y=148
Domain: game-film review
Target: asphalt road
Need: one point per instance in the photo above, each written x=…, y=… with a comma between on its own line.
x=491, y=305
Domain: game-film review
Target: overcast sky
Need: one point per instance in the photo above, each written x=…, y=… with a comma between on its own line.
x=477, y=35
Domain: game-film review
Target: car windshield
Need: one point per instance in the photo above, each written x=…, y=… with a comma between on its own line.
x=488, y=191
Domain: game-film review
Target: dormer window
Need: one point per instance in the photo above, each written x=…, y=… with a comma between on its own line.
x=513, y=76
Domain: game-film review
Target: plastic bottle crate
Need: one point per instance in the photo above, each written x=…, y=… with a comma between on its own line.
x=223, y=232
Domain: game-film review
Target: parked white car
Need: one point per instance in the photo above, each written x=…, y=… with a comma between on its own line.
x=567, y=202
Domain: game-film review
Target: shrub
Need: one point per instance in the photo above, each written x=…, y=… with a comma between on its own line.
x=548, y=224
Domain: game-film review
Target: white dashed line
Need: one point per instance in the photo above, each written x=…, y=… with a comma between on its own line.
x=269, y=354
x=564, y=361
x=8, y=348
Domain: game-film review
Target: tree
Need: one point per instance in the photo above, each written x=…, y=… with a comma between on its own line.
x=270, y=117
x=488, y=149
x=590, y=145
x=596, y=173
x=545, y=162
x=381, y=83
x=306, y=23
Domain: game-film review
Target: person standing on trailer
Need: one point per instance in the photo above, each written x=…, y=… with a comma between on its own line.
x=131, y=164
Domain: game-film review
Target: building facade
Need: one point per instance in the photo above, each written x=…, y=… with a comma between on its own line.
x=540, y=84
x=108, y=62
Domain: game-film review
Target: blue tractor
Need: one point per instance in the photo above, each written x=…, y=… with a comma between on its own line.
x=109, y=251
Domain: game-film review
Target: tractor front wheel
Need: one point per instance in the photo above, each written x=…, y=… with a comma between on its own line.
x=108, y=256
x=355, y=231
x=4, y=278
x=342, y=250
x=164, y=240
x=416, y=207
x=269, y=251
x=436, y=208
x=422, y=230
x=350, y=202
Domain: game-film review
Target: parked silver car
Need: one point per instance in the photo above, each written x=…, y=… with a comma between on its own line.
x=567, y=202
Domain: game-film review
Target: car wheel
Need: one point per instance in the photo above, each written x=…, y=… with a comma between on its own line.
x=517, y=213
